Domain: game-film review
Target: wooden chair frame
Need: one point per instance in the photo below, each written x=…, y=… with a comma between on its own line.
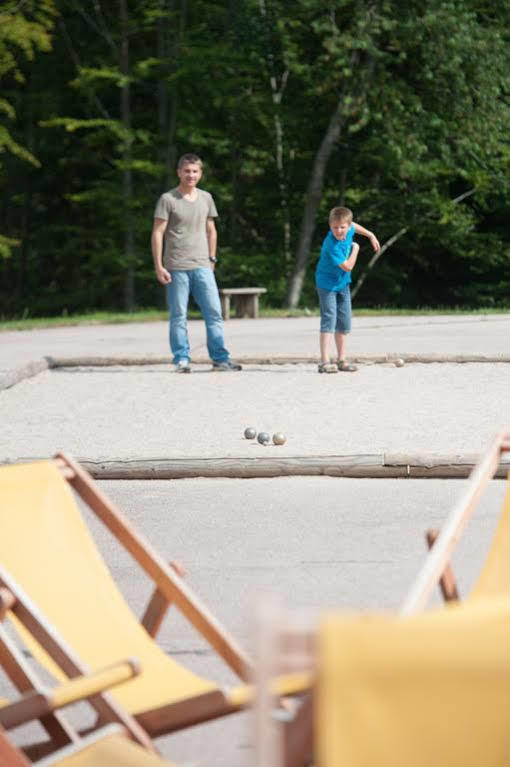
x=437, y=568
x=37, y=702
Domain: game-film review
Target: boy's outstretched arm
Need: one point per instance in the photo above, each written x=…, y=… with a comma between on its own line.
x=349, y=263
x=366, y=233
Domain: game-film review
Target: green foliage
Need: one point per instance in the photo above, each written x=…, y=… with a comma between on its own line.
x=6, y=246
x=24, y=31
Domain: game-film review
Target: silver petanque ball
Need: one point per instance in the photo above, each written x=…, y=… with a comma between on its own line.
x=279, y=438
x=264, y=438
x=250, y=432
x=399, y=363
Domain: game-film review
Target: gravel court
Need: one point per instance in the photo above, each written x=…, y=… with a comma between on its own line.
x=151, y=412
x=267, y=337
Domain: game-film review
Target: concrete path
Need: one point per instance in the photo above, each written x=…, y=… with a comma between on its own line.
x=267, y=338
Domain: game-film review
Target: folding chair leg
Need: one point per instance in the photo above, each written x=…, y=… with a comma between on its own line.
x=447, y=582
x=25, y=680
x=158, y=605
x=298, y=736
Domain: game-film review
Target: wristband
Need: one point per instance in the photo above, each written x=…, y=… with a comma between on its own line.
x=213, y=259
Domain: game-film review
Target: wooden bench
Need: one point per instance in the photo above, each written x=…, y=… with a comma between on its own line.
x=246, y=301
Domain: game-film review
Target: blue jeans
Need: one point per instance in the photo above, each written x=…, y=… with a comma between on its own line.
x=202, y=286
x=335, y=309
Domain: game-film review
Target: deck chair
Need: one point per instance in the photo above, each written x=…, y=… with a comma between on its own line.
x=47, y=549
x=393, y=691
x=494, y=578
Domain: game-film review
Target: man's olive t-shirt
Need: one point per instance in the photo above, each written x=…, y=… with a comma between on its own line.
x=185, y=243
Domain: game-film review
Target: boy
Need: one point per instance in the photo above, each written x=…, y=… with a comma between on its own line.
x=332, y=277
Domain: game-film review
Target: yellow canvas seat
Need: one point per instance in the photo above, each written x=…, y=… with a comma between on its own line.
x=47, y=548
x=109, y=747
x=432, y=689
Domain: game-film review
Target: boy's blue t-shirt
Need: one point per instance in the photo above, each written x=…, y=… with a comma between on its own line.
x=328, y=274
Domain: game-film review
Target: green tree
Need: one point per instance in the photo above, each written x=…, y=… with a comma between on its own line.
x=416, y=92
x=396, y=109
x=25, y=30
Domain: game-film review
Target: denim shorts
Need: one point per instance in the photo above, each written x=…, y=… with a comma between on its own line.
x=335, y=309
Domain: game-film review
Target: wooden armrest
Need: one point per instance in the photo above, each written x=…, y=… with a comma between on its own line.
x=158, y=605
x=85, y=686
x=36, y=704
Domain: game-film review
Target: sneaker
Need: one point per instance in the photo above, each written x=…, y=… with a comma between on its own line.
x=227, y=366
x=183, y=366
x=345, y=367
x=327, y=367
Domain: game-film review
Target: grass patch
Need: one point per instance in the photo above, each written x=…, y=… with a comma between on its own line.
x=424, y=311
x=94, y=318
x=155, y=315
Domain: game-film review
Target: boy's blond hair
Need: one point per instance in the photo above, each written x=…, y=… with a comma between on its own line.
x=189, y=159
x=340, y=214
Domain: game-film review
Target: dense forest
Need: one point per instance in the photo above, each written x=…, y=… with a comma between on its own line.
x=398, y=109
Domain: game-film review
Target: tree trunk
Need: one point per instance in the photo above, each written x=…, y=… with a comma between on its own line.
x=313, y=198
x=276, y=97
x=168, y=54
x=284, y=197
x=392, y=240
x=163, y=53
x=361, y=279
x=127, y=178
x=316, y=183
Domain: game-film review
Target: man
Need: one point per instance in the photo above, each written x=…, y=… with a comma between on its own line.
x=184, y=251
